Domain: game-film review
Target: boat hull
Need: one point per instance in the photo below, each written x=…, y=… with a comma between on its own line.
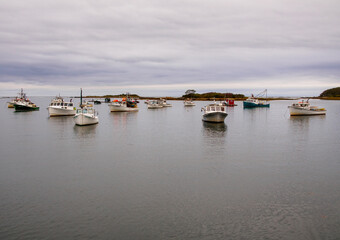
x=152, y=106
x=215, y=117
x=123, y=109
x=10, y=105
x=55, y=112
x=189, y=104
x=304, y=112
x=230, y=105
x=23, y=108
x=85, y=119
x=254, y=105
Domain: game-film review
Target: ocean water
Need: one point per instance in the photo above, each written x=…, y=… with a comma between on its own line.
x=165, y=174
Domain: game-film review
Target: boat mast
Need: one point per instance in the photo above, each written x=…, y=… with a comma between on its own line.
x=81, y=98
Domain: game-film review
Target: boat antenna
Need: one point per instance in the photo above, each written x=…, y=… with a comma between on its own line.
x=81, y=98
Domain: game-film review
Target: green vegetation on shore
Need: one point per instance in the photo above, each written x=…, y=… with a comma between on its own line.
x=123, y=95
x=211, y=95
x=331, y=93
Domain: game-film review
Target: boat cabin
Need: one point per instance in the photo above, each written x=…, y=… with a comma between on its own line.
x=215, y=108
x=86, y=110
x=62, y=104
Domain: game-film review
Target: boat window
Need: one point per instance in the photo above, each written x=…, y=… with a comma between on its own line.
x=212, y=108
x=70, y=104
x=222, y=108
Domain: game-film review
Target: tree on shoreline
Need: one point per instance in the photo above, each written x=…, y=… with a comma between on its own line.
x=212, y=95
x=333, y=92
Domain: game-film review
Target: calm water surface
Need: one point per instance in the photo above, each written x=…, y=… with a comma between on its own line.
x=164, y=174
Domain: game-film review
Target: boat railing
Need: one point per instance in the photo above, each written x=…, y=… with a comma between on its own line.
x=214, y=109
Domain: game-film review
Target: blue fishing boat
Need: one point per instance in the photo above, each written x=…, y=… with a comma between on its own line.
x=253, y=102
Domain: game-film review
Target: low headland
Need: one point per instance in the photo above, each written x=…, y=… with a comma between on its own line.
x=329, y=94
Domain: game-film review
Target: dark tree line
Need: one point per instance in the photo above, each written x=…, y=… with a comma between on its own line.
x=192, y=94
x=333, y=92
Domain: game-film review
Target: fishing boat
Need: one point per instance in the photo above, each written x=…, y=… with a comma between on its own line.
x=163, y=102
x=97, y=102
x=214, y=113
x=87, y=104
x=25, y=105
x=154, y=104
x=59, y=107
x=189, y=103
x=21, y=97
x=229, y=103
x=303, y=108
x=10, y=104
x=85, y=115
x=253, y=102
x=125, y=105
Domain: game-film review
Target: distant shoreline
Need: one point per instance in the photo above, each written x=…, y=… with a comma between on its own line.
x=198, y=99
x=216, y=99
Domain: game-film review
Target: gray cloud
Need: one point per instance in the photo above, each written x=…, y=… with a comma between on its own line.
x=122, y=43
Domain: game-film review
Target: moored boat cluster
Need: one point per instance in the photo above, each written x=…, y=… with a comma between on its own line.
x=214, y=112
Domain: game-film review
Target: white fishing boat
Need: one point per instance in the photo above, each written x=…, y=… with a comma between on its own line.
x=86, y=104
x=189, y=103
x=154, y=104
x=164, y=103
x=125, y=105
x=303, y=108
x=58, y=107
x=214, y=113
x=85, y=115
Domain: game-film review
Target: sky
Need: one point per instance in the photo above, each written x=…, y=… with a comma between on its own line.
x=165, y=47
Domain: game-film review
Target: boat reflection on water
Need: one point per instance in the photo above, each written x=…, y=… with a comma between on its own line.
x=88, y=131
x=214, y=138
x=121, y=119
x=214, y=129
x=60, y=120
x=301, y=123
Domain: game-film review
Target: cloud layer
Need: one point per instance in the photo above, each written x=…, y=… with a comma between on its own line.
x=155, y=47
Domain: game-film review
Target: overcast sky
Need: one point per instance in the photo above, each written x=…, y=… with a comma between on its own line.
x=164, y=47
